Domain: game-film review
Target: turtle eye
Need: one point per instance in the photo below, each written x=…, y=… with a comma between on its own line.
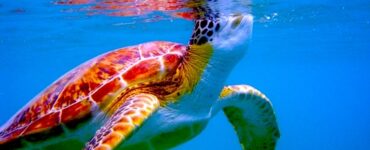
x=237, y=20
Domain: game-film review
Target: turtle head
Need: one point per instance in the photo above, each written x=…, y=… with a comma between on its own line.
x=225, y=34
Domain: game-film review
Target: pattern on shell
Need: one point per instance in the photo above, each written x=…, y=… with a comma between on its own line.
x=82, y=90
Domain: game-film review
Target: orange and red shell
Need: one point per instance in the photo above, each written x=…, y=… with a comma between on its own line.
x=77, y=93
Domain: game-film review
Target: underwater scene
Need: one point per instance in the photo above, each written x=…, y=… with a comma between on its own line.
x=310, y=58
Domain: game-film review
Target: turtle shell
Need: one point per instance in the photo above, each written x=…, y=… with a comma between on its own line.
x=84, y=89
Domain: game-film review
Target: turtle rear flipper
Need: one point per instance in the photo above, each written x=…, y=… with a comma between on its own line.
x=252, y=116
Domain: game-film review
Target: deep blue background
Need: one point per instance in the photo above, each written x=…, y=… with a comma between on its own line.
x=311, y=58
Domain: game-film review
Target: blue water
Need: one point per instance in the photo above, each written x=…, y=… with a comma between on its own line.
x=311, y=58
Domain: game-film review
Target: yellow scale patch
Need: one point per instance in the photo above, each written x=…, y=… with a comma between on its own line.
x=193, y=67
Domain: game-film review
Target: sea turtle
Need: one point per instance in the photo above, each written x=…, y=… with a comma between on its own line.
x=154, y=95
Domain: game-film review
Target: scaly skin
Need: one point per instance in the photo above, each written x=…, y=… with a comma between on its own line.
x=251, y=114
x=124, y=121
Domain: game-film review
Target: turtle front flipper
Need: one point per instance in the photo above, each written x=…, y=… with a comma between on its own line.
x=123, y=122
x=251, y=114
